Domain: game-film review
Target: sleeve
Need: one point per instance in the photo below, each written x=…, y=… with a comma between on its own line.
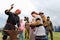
x=18, y=23
x=44, y=18
x=51, y=25
x=36, y=23
x=37, y=19
x=8, y=13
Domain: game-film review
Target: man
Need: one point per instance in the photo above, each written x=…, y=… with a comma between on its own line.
x=44, y=22
x=43, y=18
x=39, y=29
x=12, y=20
x=49, y=27
x=27, y=28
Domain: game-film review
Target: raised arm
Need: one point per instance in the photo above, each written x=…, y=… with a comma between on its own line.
x=8, y=10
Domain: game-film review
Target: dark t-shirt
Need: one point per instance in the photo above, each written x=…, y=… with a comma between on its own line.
x=13, y=18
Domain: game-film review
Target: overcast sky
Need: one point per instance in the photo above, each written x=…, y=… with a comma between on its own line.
x=49, y=7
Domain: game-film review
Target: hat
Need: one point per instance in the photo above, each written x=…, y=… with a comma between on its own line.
x=18, y=10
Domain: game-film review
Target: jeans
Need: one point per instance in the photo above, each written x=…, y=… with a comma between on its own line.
x=21, y=36
x=46, y=38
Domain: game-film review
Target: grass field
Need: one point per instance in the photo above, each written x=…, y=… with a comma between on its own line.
x=56, y=36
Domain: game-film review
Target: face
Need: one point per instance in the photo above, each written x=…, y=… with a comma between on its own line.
x=48, y=19
x=33, y=15
x=41, y=15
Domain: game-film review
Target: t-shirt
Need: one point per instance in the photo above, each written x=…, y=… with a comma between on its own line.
x=21, y=28
x=39, y=31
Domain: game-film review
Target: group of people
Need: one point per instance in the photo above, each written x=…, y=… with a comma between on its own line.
x=37, y=29
x=42, y=25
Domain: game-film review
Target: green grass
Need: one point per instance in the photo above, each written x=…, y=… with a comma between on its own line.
x=0, y=36
x=56, y=36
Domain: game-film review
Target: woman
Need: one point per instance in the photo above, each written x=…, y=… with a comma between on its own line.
x=21, y=30
x=39, y=29
x=32, y=29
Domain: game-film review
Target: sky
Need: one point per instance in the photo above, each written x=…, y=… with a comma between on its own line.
x=49, y=7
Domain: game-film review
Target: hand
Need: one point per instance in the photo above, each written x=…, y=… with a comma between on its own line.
x=29, y=23
x=12, y=6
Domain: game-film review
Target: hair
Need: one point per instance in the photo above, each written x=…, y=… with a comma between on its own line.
x=41, y=13
x=25, y=17
x=48, y=17
x=33, y=12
